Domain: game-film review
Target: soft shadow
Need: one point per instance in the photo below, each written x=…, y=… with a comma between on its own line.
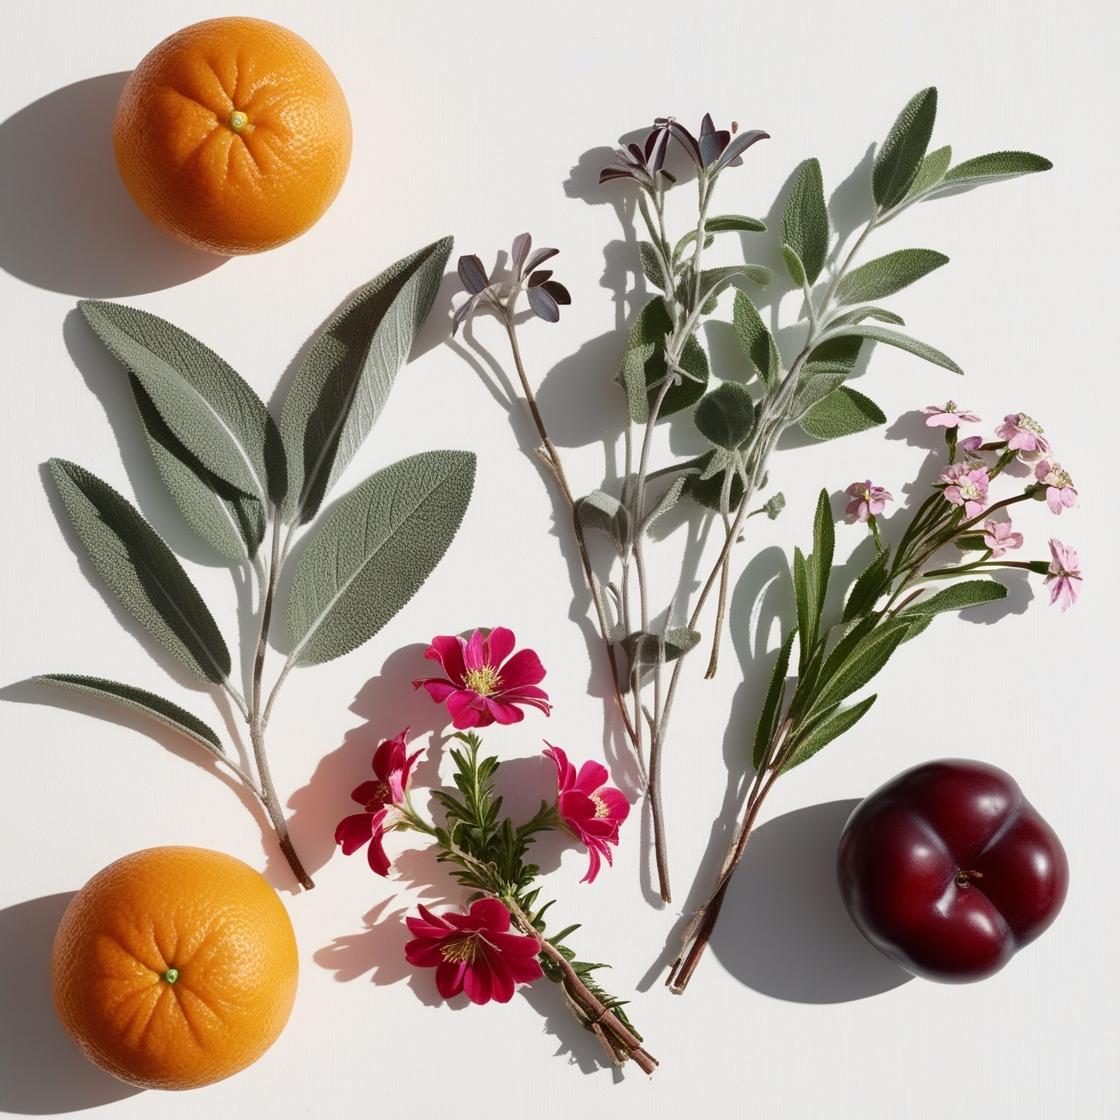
x=42, y=1072
x=67, y=223
x=784, y=930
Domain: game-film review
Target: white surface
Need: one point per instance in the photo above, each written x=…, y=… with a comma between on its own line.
x=468, y=119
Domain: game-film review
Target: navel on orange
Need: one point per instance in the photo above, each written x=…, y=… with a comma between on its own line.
x=175, y=967
x=233, y=135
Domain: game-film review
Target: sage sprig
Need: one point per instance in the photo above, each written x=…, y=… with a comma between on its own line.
x=666, y=370
x=240, y=479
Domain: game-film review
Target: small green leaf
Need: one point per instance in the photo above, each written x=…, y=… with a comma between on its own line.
x=794, y=265
x=804, y=586
x=900, y=156
x=651, y=266
x=666, y=502
x=829, y=728
x=886, y=275
x=805, y=227
x=142, y=571
x=772, y=705
x=992, y=168
x=824, y=549
x=343, y=384
x=862, y=661
x=858, y=314
x=726, y=416
x=870, y=584
x=713, y=281
x=706, y=487
x=736, y=223
x=140, y=700
x=837, y=355
x=755, y=340
x=774, y=505
x=842, y=413
x=601, y=512
x=370, y=556
x=932, y=170
x=903, y=342
x=643, y=650
x=969, y=593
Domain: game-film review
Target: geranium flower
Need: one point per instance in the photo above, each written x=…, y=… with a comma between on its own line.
x=998, y=536
x=590, y=809
x=948, y=416
x=867, y=500
x=1064, y=576
x=1024, y=435
x=380, y=799
x=473, y=952
x=966, y=484
x=481, y=686
x=1060, y=492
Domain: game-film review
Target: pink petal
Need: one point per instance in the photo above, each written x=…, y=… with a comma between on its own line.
x=466, y=710
x=515, y=944
x=523, y=668
x=499, y=646
x=501, y=712
x=437, y=688
x=447, y=649
x=618, y=807
x=474, y=656
x=593, y=865
x=1054, y=499
x=591, y=776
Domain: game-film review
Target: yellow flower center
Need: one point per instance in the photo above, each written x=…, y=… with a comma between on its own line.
x=462, y=951
x=484, y=681
x=601, y=809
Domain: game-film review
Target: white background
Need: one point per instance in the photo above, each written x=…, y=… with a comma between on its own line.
x=473, y=119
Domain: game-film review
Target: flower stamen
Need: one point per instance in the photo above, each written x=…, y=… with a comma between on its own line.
x=485, y=680
x=462, y=951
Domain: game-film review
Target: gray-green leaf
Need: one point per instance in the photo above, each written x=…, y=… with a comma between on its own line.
x=857, y=664
x=725, y=416
x=865, y=311
x=140, y=700
x=829, y=728
x=804, y=226
x=208, y=407
x=755, y=340
x=886, y=275
x=772, y=705
x=651, y=266
x=368, y=558
x=644, y=649
x=666, y=502
x=969, y=593
x=899, y=159
x=903, y=342
x=932, y=171
x=341, y=387
x=601, y=512
x=842, y=413
x=142, y=571
x=992, y=168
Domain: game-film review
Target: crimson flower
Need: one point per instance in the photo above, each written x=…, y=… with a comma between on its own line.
x=591, y=810
x=380, y=799
x=481, y=687
x=473, y=952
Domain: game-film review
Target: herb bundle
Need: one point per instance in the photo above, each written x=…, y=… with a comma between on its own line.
x=248, y=484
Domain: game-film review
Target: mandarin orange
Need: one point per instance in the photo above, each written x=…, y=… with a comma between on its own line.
x=175, y=967
x=233, y=135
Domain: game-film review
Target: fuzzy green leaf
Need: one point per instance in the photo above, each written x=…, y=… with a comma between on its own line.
x=794, y=265
x=804, y=585
x=651, y=266
x=969, y=593
x=900, y=156
x=668, y=499
x=804, y=226
x=932, y=170
x=843, y=412
x=992, y=168
x=772, y=705
x=755, y=340
x=829, y=728
x=861, y=662
x=342, y=385
x=369, y=557
x=643, y=649
x=714, y=281
x=824, y=549
x=601, y=512
x=903, y=342
x=726, y=415
x=142, y=571
x=734, y=223
x=706, y=487
x=858, y=314
x=140, y=700
x=869, y=585
x=886, y=275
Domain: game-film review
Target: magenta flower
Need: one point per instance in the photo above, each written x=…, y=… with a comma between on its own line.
x=1060, y=492
x=381, y=800
x=1023, y=435
x=481, y=687
x=867, y=501
x=966, y=484
x=1064, y=576
x=949, y=416
x=999, y=537
x=473, y=952
x=591, y=810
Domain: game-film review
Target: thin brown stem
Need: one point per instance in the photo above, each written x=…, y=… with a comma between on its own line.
x=272, y=806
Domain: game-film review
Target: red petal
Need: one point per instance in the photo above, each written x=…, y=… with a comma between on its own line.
x=423, y=952
x=618, y=808
x=501, y=979
x=378, y=860
x=353, y=832
x=491, y=915
x=501, y=712
x=523, y=668
x=449, y=978
x=447, y=649
x=499, y=646
x=366, y=792
x=436, y=687
x=565, y=771
x=592, y=775
x=474, y=655
x=466, y=710
x=478, y=980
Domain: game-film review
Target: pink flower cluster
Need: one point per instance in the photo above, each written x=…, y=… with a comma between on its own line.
x=868, y=500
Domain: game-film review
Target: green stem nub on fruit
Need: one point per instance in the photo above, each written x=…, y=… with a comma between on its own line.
x=238, y=120
x=171, y=975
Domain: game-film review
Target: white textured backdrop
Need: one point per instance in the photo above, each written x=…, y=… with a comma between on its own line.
x=474, y=119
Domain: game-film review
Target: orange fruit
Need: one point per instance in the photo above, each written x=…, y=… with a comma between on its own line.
x=174, y=967
x=233, y=135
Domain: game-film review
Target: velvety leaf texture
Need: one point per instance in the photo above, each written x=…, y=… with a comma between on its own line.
x=601, y=512
x=992, y=168
x=843, y=412
x=931, y=171
x=142, y=571
x=140, y=700
x=899, y=158
x=969, y=593
x=755, y=340
x=904, y=342
x=343, y=383
x=804, y=227
x=372, y=553
x=725, y=416
x=884, y=276
x=829, y=728
x=209, y=408
x=771, y=708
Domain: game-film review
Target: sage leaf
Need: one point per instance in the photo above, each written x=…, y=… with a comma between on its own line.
x=794, y=265
x=371, y=554
x=804, y=227
x=886, y=275
x=644, y=650
x=230, y=521
x=738, y=223
x=869, y=585
x=824, y=549
x=992, y=168
x=706, y=486
x=860, y=663
x=666, y=502
x=755, y=340
x=931, y=171
x=903, y=342
x=726, y=416
x=208, y=407
x=651, y=265
x=858, y=314
x=804, y=586
x=772, y=705
x=342, y=385
x=969, y=593
x=899, y=158
x=140, y=700
x=829, y=728
x=714, y=281
x=843, y=412
x=827, y=367
x=142, y=571
x=601, y=512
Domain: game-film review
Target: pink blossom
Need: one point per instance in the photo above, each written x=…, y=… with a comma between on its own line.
x=966, y=484
x=999, y=537
x=481, y=687
x=948, y=416
x=867, y=500
x=473, y=952
x=1023, y=434
x=1064, y=576
x=1060, y=492
x=971, y=443
x=380, y=799
x=590, y=809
